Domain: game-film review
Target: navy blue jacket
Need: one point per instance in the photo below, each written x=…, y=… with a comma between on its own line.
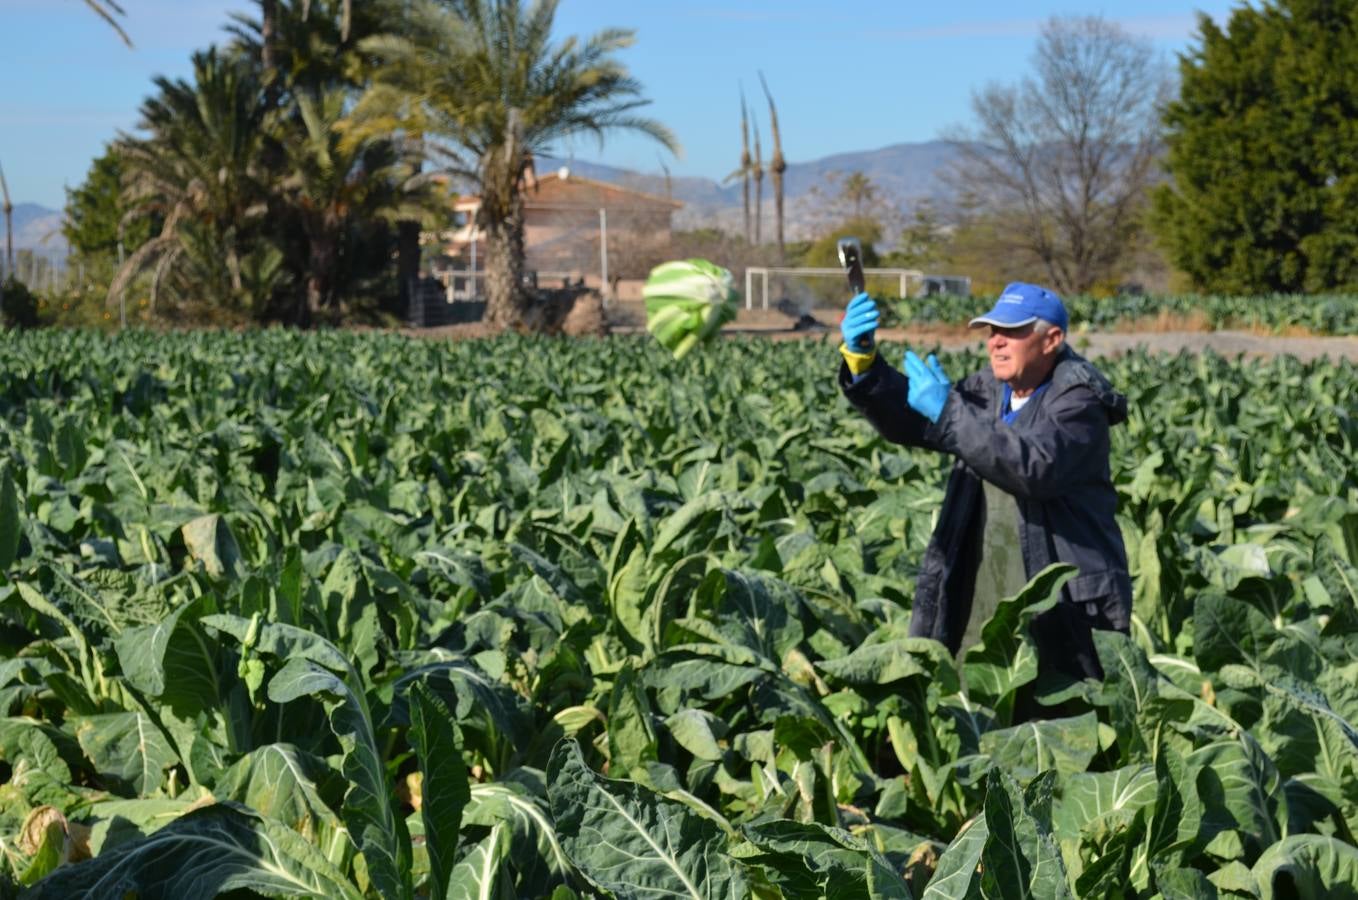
x=1054, y=461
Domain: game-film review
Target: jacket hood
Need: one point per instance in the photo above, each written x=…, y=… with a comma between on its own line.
x=1072, y=368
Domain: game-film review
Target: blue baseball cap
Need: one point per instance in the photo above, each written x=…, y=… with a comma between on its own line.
x=1020, y=304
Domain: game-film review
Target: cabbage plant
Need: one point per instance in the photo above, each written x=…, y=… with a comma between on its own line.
x=687, y=302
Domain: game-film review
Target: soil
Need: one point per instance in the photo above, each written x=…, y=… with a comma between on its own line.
x=591, y=317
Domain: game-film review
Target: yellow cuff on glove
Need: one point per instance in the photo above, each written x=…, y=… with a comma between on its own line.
x=858, y=362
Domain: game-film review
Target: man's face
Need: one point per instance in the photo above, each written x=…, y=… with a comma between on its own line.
x=1022, y=356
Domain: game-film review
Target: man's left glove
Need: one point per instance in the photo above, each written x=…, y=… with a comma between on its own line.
x=859, y=329
x=929, y=385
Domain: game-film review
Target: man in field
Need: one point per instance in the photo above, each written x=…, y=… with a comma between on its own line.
x=1031, y=483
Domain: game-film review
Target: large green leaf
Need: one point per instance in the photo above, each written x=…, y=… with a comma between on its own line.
x=697, y=731
x=1138, y=697
x=1104, y=799
x=526, y=817
x=209, y=540
x=1228, y=630
x=472, y=696
x=810, y=860
x=213, y=850
x=1240, y=789
x=10, y=523
x=1308, y=867
x=444, y=790
x=629, y=841
x=126, y=749
x=477, y=875
x=958, y=874
x=175, y=663
x=1006, y=658
x=631, y=730
x=1174, y=832
x=895, y=660
x=1066, y=745
x=1021, y=859
x=378, y=832
x=283, y=783
x=763, y=610
x=285, y=642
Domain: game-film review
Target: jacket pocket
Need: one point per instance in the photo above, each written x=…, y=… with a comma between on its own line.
x=1107, y=594
x=1093, y=585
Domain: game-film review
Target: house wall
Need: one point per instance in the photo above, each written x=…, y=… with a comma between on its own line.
x=567, y=240
x=562, y=232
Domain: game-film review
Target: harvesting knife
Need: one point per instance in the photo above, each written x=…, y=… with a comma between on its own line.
x=851, y=258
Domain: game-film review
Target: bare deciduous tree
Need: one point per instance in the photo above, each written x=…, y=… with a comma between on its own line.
x=1066, y=157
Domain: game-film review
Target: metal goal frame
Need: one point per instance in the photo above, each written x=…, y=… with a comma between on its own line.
x=761, y=273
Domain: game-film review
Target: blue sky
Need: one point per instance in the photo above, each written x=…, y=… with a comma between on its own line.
x=845, y=76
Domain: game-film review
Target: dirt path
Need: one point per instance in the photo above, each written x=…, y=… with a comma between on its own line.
x=777, y=326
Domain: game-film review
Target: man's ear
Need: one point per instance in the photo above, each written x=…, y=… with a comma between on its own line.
x=1052, y=339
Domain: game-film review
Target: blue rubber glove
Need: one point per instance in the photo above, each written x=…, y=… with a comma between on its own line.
x=860, y=324
x=929, y=385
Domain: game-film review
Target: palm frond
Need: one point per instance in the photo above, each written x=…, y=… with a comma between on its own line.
x=106, y=9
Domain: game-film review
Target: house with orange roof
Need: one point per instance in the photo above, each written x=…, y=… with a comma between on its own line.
x=576, y=230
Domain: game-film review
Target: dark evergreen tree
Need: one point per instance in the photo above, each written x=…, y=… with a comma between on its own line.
x=1263, y=151
x=95, y=209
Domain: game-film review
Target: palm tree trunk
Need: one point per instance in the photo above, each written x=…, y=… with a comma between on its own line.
x=758, y=205
x=407, y=263
x=322, y=259
x=407, y=258
x=268, y=14
x=507, y=301
x=745, y=187
x=778, y=208
x=501, y=219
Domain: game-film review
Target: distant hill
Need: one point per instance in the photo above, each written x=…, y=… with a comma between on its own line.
x=37, y=228
x=904, y=174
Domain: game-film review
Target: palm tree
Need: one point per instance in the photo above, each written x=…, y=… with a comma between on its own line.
x=346, y=15
x=778, y=165
x=292, y=47
x=757, y=169
x=859, y=191
x=199, y=170
x=332, y=180
x=334, y=184
x=106, y=9
x=485, y=79
x=743, y=173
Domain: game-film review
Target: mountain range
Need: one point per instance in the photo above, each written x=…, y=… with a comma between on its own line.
x=903, y=175
x=38, y=228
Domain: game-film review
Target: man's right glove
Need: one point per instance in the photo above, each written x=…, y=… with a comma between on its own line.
x=859, y=328
x=929, y=385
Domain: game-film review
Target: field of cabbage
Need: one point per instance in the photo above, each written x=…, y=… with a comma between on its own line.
x=348, y=616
